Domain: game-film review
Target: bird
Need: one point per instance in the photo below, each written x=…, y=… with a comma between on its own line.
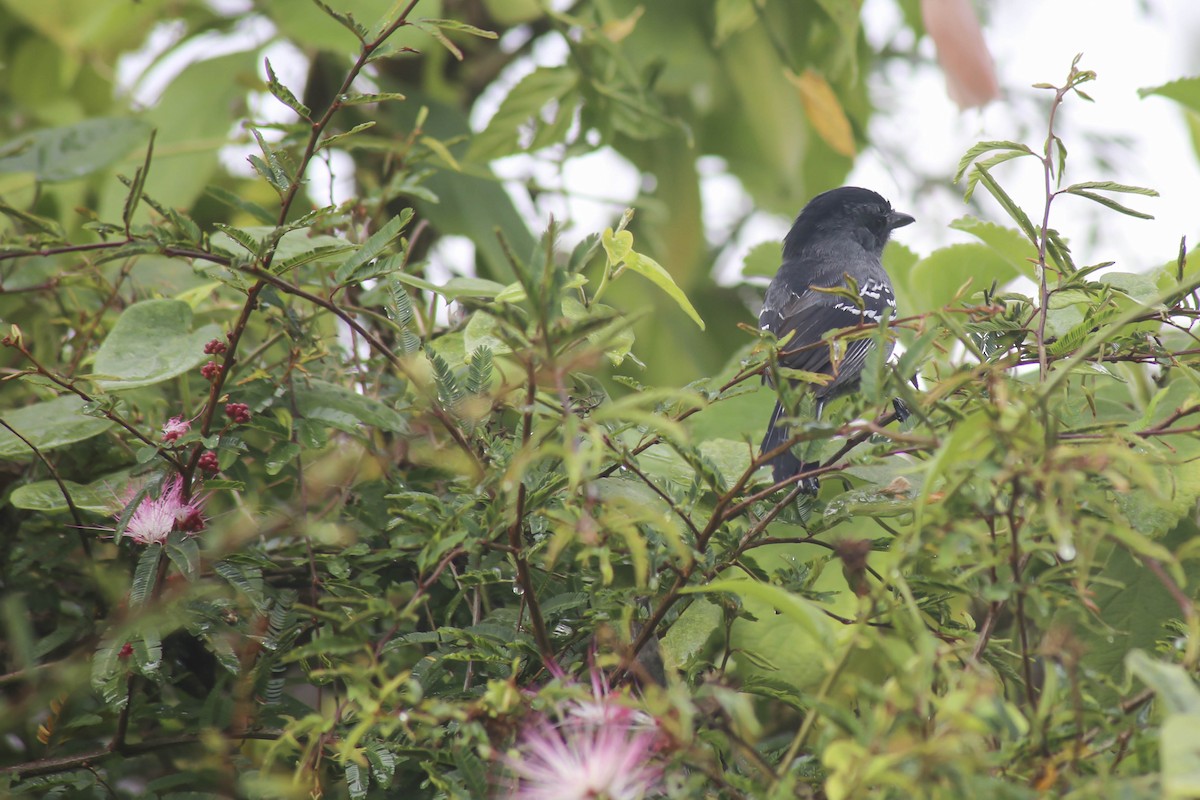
x=836, y=242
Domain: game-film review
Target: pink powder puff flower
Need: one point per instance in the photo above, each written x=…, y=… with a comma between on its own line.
x=582, y=761
x=174, y=428
x=597, y=748
x=155, y=517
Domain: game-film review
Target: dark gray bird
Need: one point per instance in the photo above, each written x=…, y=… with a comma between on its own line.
x=840, y=232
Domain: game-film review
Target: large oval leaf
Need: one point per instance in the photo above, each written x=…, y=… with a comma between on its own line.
x=99, y=496
x=48, y=425
x=152, y=341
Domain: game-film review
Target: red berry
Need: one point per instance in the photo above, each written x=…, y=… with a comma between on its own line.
x=126, y=651
x=208, y=462
x=210, y=371
x=238, y=412
x=215, y=346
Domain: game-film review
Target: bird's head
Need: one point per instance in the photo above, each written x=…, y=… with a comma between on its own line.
x=848, y=211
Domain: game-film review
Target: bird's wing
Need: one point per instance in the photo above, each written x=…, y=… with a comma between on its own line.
x=809, y=315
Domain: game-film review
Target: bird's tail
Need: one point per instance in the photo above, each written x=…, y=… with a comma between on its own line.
x=785, y=465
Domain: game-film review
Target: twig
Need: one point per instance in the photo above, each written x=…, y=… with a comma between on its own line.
x=520, y=557
x=45, y=766
x=62, y=487
x=87, y=398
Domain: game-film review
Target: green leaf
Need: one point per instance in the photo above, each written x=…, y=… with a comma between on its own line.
x=936, y=280
x=358, y=781
x=1179, y=746
x=365, y=99
x=733, y=16
x=375, y=246
x=1015, y=212
x=454, y=288
x=461, y=27
x=690, y=634
x=796, y=608
x=144, y=575
x=151, y=342
x=184, y=552
x=651, y=269
x=762, y=260
x=979, y=149
x=33, y=222
x=1176, y=689
x=98, y=497
x=73, y=151
x=280, y=455
x=48, y=425
x=1107, y=202
x=284, y=94
x=137, y=185
x=479, y=378
x=1006, y=242
x=524, y=106
x=345, y=410
x=234, y=201
x=449, y=390
x=1185, y=91
x=481, y=332
x=1109, y=186
x=329, y=141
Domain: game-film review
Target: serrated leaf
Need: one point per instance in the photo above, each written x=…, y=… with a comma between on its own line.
x=279, y=457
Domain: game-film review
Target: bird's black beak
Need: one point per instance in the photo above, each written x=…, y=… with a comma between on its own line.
x=898, y=220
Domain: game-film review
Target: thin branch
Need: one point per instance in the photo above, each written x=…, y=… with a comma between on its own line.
x=87, y=398
x=520, y=557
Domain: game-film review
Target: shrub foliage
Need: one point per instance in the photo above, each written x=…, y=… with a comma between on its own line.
x=402, y=526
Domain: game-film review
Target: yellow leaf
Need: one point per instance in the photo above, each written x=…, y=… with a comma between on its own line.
x=618, y=29
x=824, y=111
